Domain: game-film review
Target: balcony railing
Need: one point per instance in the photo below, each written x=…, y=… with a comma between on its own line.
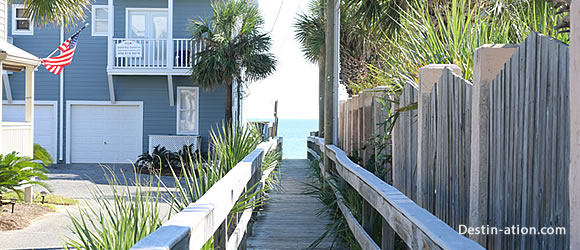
x=16, y=136
x=143, y=53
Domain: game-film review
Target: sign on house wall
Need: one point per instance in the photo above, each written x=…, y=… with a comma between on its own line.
x=129, y=49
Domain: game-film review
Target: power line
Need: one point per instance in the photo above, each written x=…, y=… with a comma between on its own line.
x=277, y=15
x=281, y=48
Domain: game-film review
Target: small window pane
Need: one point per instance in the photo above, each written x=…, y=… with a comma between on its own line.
x=187, y=99
x=21, y=12
x=137, y=25
x=101, y=26
x=101, y=13
x=22, y=24
x=187, y=121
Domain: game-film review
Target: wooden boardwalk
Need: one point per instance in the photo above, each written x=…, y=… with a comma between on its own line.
x=290, y=220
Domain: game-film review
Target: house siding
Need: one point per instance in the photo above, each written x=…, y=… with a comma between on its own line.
x=86, y=78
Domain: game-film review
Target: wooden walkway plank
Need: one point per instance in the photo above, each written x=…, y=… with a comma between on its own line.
x=290, y=218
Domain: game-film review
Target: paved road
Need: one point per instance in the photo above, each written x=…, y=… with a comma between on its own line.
x=73, y=181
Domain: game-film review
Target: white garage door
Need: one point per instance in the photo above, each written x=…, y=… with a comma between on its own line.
x=44, y=123
x=105, y=133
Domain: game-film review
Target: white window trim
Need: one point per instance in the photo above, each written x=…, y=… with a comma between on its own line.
x=127, y=10
x=20, y=32
x=93, y=19
x=178, y=110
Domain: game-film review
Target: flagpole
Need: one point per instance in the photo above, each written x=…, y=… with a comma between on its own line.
x=86, y=24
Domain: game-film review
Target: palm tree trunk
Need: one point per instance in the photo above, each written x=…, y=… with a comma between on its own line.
x=228, y=116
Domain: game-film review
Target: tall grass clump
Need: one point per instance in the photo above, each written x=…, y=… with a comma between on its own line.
x=227, y=148
x=131, y=212
x=450, y=32
x=119, y=219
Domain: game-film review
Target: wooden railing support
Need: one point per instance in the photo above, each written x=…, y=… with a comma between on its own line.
x=488, y=61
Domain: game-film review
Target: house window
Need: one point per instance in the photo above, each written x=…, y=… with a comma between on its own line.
x=146, y=23
x=21, y=23
x=187, y=110
x=100, y=20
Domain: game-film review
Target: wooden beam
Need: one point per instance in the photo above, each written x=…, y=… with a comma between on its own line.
x=111, y=89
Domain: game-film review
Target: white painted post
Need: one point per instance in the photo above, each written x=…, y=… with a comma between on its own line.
x=111, y=33
x=170, y=52
x=488, y=61
x=29, y=109
x=428, y=76
x=574, y=178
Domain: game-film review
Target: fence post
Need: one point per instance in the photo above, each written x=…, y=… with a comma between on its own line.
x=574, y=178
x=428, y=76
x=488, y=61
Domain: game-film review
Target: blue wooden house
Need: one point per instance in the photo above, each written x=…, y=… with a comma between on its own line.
x=128, y=87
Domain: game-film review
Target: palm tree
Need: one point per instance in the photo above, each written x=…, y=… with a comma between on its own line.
x=310, y=28
x=235, y=48
x=67, y=12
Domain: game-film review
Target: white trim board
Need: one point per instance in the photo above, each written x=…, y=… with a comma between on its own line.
x=69, y=104
x=54, y=105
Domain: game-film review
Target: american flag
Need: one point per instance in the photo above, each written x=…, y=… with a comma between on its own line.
x=67, y=50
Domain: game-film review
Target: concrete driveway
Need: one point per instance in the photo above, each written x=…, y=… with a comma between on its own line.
x=74, y=181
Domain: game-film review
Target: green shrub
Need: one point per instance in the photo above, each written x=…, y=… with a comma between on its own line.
x=41, y=154
x=16, y=170
x=159, y=158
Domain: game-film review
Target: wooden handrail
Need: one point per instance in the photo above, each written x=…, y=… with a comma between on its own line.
x=415, y=225
x=196, y=224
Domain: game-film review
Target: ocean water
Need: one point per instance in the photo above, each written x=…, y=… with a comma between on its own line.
x=295, y=132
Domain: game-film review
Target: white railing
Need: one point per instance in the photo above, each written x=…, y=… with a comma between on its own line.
x=197, y=223
x=17, y=136
x=154, y=53
x=174, y=143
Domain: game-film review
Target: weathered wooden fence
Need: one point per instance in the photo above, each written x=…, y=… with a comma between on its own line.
x=451, y=123
x=209, y=215
x=519, y=175
x=405, y=142
x=418, y=228
x=529, y=146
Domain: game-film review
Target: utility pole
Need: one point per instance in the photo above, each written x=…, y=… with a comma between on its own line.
x=321, y=86
x=331, y=69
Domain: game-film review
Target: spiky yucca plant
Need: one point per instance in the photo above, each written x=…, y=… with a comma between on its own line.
x=120, y=222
